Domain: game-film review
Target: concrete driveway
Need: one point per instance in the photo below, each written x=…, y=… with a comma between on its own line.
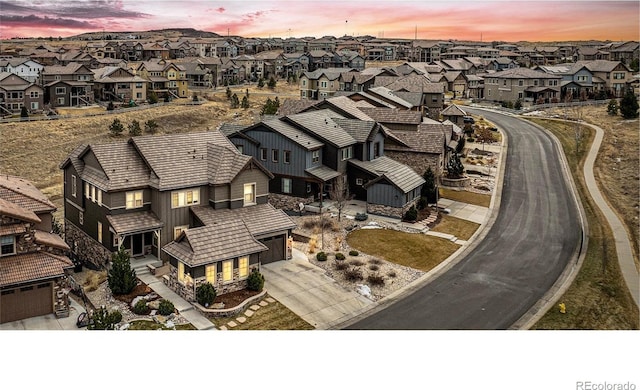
x=48, y=322
x=307, y=291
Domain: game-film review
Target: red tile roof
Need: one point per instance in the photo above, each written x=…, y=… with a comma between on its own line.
x=31, y=267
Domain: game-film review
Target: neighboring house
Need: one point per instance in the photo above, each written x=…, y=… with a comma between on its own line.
x=253, y=67
x=455, y=114
x=142, y=194
x=610, y=76
x=425, y=51
x=17, y=92
x=24, y=67
x=115, y=83
x=67, y=86
x=165, y=79
x=320, y=84
x=577, y=79
x=33, y=261
x=522, y=83
x=626, y=52
x=306, y=152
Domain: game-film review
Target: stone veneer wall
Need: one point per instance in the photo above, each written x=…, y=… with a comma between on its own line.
x=26, y=242
x=388, y=211
x=87, y=248
x=456, y=183
x=187, y=291
x=416, y=161
x=286, y=202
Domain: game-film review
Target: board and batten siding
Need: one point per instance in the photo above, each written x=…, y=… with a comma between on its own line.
x=385, y=194
x=300, y=157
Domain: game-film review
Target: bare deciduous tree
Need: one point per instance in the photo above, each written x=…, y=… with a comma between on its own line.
x=340, y=194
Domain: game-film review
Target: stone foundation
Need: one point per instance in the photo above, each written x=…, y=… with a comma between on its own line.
x=232, y=311
x=389, y=211
x=188, y=290
x=85, y=247
x=286, y=202
x=456, y=183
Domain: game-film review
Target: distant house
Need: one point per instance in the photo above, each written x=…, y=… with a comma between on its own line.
x=67, y=86
x=115, y=83
x=522, y=83
x=17, y=92
x=167, y=197
x=320, y=84
x=33, y=262
x=24, y=67
x=610, y=76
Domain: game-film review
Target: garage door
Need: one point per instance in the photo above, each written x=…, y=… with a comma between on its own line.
x=29, y=301
x=276, y=249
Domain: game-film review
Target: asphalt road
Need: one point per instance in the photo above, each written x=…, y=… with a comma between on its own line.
x=534, y=236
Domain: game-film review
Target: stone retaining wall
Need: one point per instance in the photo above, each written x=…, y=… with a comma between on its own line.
x=232, y=311
x=286, y=202
x=456, y=183
x=389, y=211
x=87, y=249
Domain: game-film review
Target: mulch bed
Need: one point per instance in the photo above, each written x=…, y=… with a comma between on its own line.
x=140, y=290
x=235, y=298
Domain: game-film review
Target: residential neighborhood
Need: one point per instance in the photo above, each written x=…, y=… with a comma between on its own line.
x=370, y=127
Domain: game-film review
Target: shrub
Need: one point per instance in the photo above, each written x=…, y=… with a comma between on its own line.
x=353, y=253
x=166, y=307
x=110, y=106
x=374, y=267
x=260, y=82
x=518, y=105
x=470, y=139
x=116, y=127
x=356, y=263
x=255, y=282
x=612, y=107
x=205, y=294
x=361, y=217
x=392, y=274
x=375, y=261
x=134, y=128
x=150, y=126
x=629, y=105
x=353, y=274
x=121, y=278
x=102, y=319
x=272, y=83
x=375, y=280
x=153, y=98
x=339, y=256
x=341, y=265
x=321, y=256
x=422, y=203
x=141, y=307
x=411, y=214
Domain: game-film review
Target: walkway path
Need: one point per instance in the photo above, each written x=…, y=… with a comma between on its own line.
x=185, y=308
x=623, y=246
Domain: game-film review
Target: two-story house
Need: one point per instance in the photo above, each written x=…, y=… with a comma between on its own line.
x=577, y=79
x=610, y=76
x=306, y=152
x=17, y=92
x=522, y=83
x=24, y=67
x=33, y=262
x=67, y=86
x=320, y=84
x=141, y=194
x=116, y=83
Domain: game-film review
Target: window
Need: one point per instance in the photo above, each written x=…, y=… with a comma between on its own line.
x=34, y=94
x=240, y=148
x=185, y=198
x=100, y=232
x=74, y=188
x=520, y=83
x=249, y=194
x=274, y=155
x=315, y=156
x=93, y=193
x=81, y=218
x=227, y=271
x=263, y=154
x=61, y=101
x=359, y=181
x=504, y=82
x=243, y=267
x=304, y=82
x=34, y=105
x=323, y=84
x=286, y=185
x=308, y=188
x=133, y=199
x=520, y=95
x=346, y=153
x=86, y=190
x=376, y=150
x=535, y=83
x=61, y=90
x=211, y=272
x=287, y=156
x=181, y=277
x=179, y=229
x=618, y=76
x=7, y=245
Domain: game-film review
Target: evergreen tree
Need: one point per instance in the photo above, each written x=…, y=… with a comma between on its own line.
x=429, y=187
x=612, y=107
x=270, y=107
x=110, y=106
x=518, y=105
x=261, y=83
x=272, y=83
x=228, y=93
x=245, y=103
x=116, y=127
x=153, y=98
x=629, y=105
x=455, y=169
x=23, y=112
x=135, y=129
x=121, y=278
x=150, y=126
x=235, y=102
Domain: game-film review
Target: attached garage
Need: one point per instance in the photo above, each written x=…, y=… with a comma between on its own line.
x=26, y=301
x=276, y=251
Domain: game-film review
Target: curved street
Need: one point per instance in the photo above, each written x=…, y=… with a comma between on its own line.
x=535, y=234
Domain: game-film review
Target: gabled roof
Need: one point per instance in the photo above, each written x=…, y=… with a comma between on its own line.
x=400, y=175
x=386, y=93
x=393, y=115
x=523, y=73
x=32, y=266
x=294, y=106
x=322, y=172
x=321, y=124
x=453, y=110
x=135, y=222
x=224, y=164
x=428, y=138
x=212, y=243
x=24, y=194
x=50, y=239
x=360, y=130
x=346, y=106
x=14, y=211
x=121, y=166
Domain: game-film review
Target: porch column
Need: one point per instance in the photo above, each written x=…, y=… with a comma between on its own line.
x=156, y=234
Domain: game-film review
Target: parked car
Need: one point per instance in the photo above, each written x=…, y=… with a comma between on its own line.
x=468, y=119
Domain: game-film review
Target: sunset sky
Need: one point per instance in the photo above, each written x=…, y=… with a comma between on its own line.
x=453, y=19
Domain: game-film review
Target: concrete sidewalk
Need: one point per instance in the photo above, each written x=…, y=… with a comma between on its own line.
x=185, y=308
x=307, y=291
x=465, y=211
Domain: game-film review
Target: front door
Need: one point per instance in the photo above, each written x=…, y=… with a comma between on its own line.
x=138, y=244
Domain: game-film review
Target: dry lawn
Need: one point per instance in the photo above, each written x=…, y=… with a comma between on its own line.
x=274, y=316
x=460, y=228
x=412, y=250
x=34, y=150
x=483, y=200
x=598, y=298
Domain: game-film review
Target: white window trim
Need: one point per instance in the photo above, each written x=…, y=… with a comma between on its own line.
x=286, y=180
x=86, y=190
x=74, y=186
x=13, y=239
x=244, y=194
x=99, y=235
x=81, y=217
x=134, y=199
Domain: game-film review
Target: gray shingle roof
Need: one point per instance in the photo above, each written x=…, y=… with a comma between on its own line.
x=229, y=128
x=523, y=73
x=122, y=165
x=322, y=172
x=139, y=221
x=179, y=159
x=215, y=242
x=296, y=135
x=453, y=110
x=388, y=94
x=260, y=219
x=348, y=106
x=403, y=177
x=321, y=124
x=428, y=138
x=223, y=164
x=393, y=115
x=360, y=130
